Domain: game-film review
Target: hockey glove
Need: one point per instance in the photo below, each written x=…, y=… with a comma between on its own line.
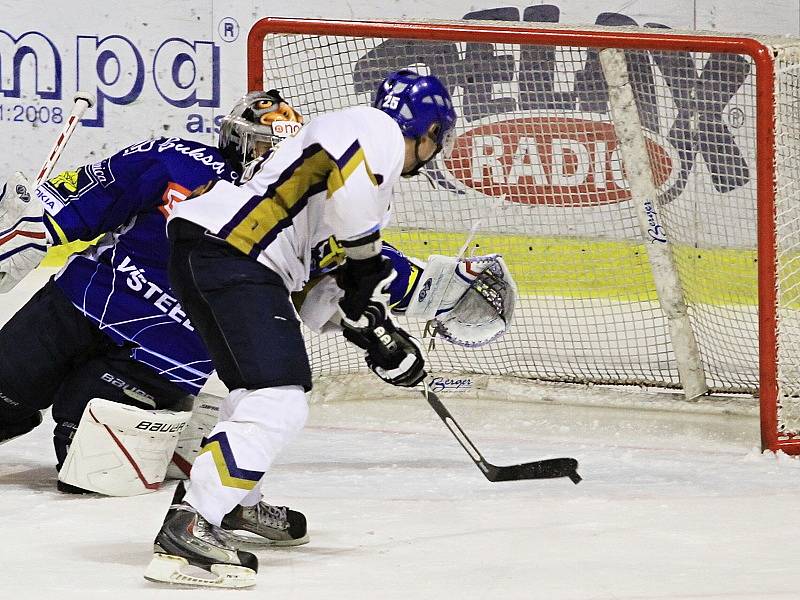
x=23, y=237
x=361, y=280
x=392, y=354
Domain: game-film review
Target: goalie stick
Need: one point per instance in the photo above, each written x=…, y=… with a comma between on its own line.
x=82, y=102
x=550, y=468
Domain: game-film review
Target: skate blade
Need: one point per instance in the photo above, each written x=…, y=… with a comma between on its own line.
x=245, y=540
x=166, y=568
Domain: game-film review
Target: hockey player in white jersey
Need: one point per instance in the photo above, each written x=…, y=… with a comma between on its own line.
x=236, y=255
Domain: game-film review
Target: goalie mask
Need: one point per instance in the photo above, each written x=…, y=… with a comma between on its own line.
x=469, y=302
x=257, y=123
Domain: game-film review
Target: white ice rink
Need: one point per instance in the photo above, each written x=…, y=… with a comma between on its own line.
x=674, y=505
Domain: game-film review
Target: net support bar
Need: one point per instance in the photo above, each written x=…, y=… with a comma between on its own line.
x=635, y=157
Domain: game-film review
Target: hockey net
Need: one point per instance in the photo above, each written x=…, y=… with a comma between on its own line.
x=654, y=242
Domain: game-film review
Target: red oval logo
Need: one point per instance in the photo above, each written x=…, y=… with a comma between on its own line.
x=552, y=160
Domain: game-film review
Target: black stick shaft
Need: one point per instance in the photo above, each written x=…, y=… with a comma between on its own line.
x=540, y=469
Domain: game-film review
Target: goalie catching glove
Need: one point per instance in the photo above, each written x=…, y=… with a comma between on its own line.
x=392, y=354
x=468, y=302
x=23, y=237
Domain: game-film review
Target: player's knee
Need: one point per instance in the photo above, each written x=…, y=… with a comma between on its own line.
x=17, y=417
x=283, y=408
x=14, y=426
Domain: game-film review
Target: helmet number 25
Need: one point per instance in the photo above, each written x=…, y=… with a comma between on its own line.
x=390, y=102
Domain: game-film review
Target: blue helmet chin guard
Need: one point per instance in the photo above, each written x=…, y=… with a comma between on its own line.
x=416, y=102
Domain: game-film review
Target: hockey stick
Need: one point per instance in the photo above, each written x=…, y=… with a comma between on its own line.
x=83, y=101
x=550, y=468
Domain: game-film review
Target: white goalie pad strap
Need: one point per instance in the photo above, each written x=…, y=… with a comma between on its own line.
x=478, y=303
x=205, y=415
x=120, y=450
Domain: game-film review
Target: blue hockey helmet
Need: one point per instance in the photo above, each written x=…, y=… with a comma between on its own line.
x=416, y=102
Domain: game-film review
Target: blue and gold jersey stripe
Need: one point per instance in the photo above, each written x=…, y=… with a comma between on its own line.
x=259, y=221
x=56, y=232
x=413, y=275
x=345, y=165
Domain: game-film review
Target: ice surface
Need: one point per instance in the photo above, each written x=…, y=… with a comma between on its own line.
x=674, y=505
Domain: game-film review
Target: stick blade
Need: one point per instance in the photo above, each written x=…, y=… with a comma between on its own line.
x=550, y=468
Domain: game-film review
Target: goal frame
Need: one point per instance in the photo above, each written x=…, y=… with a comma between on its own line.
x=657, y=39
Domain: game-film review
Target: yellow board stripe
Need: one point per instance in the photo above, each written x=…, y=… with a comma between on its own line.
x=613, y=270
x=581, y=268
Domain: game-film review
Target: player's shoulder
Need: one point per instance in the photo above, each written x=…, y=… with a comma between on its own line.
x=357, y=118
x=340, y=131
x=179, y=153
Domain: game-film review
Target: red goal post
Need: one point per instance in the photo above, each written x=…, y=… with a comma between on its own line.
x=543, y=158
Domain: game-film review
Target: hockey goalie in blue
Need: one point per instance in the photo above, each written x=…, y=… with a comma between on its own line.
x=107, y=325
x=121, y=284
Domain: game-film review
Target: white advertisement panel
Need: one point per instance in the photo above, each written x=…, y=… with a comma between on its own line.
x=171, y=68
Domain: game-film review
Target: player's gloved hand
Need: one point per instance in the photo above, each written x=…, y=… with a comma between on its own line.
x=23, y=237
x=392, y=354
x=361, y=280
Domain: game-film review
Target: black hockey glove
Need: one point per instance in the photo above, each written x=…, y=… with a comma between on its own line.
x=392, y=354
x=361, y=280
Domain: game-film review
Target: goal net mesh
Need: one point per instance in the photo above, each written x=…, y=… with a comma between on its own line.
x=537, y=162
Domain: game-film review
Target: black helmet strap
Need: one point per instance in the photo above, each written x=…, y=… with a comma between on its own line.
x=419, y=162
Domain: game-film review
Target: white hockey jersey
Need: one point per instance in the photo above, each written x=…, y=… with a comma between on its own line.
x=332, y=180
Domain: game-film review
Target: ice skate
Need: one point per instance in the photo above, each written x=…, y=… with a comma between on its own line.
x=189, y=550
x=266, y=525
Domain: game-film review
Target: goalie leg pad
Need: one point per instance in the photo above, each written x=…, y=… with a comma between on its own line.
x=113, y=375
x=205, y=415
x=121, y=450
